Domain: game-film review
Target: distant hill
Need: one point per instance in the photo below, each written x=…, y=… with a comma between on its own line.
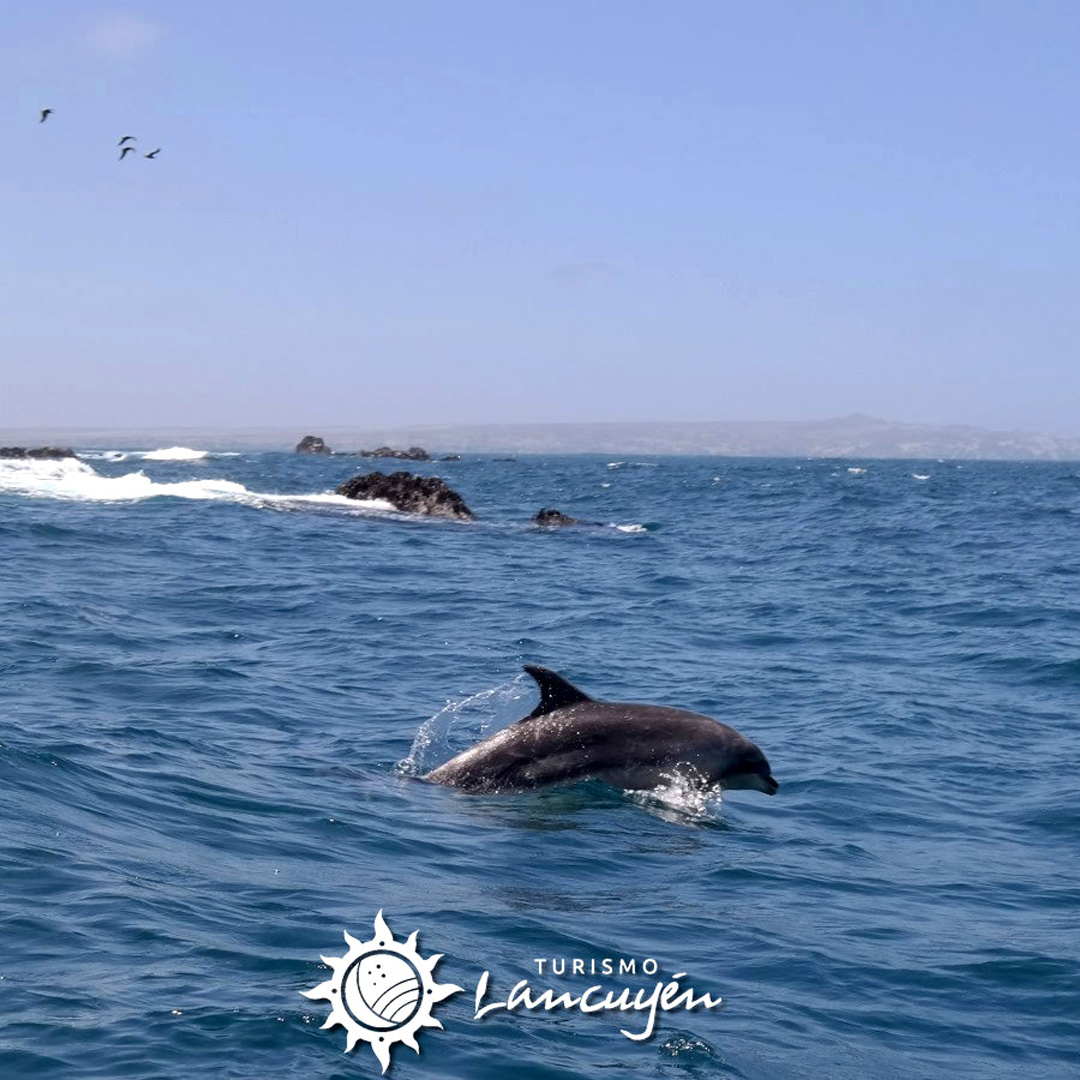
x=847, y=437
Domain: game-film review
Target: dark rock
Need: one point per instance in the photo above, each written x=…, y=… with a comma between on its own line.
x=414, y=453
x=450, y=457
x=408, y=492
x=41, y=453
x=551, y=518
x=504, y=459
x=312, y=444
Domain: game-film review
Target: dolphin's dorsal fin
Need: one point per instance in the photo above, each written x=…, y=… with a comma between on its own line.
x=555, y=691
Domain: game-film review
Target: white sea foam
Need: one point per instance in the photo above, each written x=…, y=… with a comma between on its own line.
x=77, y=481
x=856, y=470
x=632, y=464
x=165, y=453
x=175, y=453
x=631, y=528
x=921, y=476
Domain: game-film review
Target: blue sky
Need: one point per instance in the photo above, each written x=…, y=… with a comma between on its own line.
x=419, y=212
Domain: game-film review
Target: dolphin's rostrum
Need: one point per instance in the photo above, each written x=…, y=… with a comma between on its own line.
x=569, y=736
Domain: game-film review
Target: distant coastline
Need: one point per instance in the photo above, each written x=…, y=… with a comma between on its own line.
x=845, y=437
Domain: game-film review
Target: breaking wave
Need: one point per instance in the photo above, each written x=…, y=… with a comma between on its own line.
x=165, y=453
x=76, y=481
x=175, y=453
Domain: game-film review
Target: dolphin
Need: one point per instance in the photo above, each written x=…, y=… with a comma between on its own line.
x=570, y=736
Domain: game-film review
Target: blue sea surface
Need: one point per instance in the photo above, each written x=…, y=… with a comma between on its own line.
x=213, y=681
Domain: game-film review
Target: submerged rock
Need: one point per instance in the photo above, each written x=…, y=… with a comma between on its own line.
x=552, y=518
x=450, y=457
x=410, y=493
x=549, y=518
x=41, y=453
x=414, y=453
x=312, y=444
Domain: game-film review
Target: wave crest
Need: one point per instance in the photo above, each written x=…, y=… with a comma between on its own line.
x=175, y=453
x=74, y=480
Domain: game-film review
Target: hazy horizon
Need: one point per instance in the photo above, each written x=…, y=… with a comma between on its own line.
x=488, y=213
x=853, y=436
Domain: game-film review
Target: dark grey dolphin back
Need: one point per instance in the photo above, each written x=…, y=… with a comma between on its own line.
x=555, y=692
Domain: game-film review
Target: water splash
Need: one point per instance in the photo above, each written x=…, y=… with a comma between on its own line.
x=686, y=798
x=460, y=724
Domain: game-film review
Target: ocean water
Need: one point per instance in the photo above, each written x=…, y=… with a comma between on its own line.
x=220, y=683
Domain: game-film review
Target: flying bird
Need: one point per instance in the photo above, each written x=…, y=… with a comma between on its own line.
x=153, y=153
x=126, y=138
x=44, y=115
x=125, y=151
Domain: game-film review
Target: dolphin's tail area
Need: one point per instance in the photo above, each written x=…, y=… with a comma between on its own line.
x=555, y=691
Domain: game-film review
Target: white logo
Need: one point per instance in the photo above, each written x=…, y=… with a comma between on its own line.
x=382, y=991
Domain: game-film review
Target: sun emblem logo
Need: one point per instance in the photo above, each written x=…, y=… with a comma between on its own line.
x=382, y=991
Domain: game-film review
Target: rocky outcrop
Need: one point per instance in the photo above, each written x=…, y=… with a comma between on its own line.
x=410, y=493
x=41, y=453
x=312, y=444
x=414, y=453
x=450, y=457
x=551, y=519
